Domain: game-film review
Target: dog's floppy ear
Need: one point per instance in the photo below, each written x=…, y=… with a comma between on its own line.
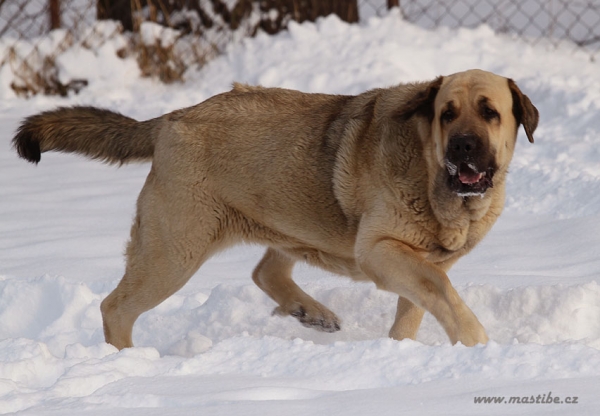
x=524, y=111
x=421, y=101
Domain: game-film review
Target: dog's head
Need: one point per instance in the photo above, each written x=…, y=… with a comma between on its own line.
x=473, y=118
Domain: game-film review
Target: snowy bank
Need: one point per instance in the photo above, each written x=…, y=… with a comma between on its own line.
x=214, y=347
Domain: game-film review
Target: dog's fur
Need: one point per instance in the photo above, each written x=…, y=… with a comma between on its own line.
x=393, y=185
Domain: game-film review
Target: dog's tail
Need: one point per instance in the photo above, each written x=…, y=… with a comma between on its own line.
x=93, y=132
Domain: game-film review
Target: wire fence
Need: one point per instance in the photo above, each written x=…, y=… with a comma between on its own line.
x=552, y=21
x=169, y=36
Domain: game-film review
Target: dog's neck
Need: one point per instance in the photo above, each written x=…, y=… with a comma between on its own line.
x=456, y=214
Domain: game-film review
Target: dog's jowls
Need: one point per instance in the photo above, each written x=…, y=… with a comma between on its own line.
x=393, y=185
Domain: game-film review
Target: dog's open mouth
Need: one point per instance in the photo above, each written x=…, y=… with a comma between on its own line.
x=467, y=180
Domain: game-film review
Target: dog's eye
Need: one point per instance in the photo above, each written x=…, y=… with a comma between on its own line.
x=490, y=114
x=447, y=116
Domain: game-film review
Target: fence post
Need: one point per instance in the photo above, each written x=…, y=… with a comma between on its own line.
x=393, y=3
x=54, y=9
x=120, y=10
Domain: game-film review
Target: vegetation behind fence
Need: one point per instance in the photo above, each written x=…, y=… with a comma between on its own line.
x=169, y=36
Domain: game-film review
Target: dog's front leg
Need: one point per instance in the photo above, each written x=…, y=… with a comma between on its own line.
x=395, y=267
x=409, y=316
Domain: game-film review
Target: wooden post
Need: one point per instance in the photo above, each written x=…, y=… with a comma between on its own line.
x=393, y=3
x=116, y=10
x=54, y=9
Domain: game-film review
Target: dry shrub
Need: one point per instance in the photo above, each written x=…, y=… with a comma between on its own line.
x=168, y=38
x=172, y=37
x=36, y=72
x=34, y=66
x=155, y=49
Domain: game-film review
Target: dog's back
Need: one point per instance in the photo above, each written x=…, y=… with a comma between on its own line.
x=267, y=152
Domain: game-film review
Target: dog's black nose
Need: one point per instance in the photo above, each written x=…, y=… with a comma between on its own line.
x=462, y=146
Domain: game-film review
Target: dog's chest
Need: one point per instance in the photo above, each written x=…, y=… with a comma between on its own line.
x=459, y=243
x=437, y=242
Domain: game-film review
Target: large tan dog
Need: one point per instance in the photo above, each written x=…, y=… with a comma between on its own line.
x=393, y=185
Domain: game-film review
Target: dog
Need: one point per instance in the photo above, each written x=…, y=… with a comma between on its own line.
x=393, y=185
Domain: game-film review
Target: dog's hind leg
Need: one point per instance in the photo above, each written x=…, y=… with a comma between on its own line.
x=274, y=276
x=172, y=235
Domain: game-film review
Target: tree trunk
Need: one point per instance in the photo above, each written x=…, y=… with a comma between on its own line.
x=302, y=10
x=393, y=3
x=54, y=8
x=115, y=10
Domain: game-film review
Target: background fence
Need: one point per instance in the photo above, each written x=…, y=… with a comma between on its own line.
x=169, y=36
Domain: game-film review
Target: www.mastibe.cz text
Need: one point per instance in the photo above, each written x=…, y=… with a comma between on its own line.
x=547, y=398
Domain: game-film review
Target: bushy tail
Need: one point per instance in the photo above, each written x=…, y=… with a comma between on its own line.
x=93, y=132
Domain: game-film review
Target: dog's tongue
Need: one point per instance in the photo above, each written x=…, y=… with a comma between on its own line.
x=469, y=176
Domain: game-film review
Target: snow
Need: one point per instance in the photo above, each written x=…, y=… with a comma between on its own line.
x=150, y=32
x=214, y=347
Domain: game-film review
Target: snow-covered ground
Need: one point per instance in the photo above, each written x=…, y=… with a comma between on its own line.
x=214, y=348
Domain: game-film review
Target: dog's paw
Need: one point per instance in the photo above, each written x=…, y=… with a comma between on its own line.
x=319, y=318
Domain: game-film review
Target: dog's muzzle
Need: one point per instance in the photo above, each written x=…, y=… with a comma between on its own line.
x=470, y=172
